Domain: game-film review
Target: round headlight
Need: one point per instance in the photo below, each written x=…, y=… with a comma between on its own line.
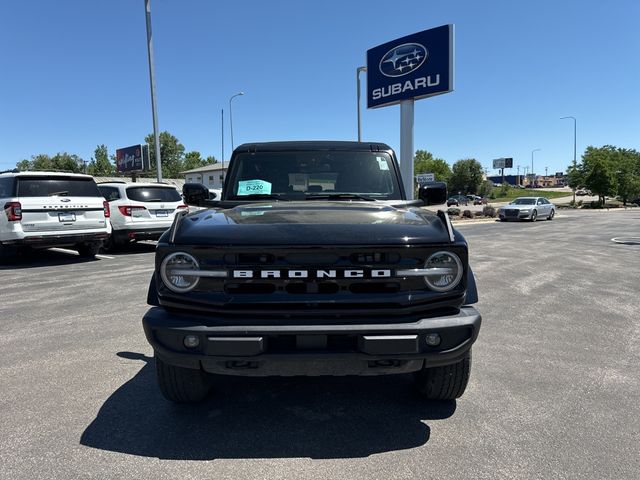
x=175, y=272
x=445, y=271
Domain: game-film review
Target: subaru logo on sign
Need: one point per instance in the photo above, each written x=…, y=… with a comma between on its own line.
x=403, y=59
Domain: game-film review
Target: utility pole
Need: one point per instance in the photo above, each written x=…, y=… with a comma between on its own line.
x=154, y=108
x=222, y=125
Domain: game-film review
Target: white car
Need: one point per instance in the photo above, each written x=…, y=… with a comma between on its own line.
x=527, y=208
x=140, y=211
x=49, y=209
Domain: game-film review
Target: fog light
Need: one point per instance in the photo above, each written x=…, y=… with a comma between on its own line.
x=433, y=339
x=191, y=341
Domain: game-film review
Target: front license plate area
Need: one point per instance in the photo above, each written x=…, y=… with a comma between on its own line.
x=67, y=217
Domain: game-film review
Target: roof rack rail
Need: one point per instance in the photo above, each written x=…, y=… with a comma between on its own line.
x=111, y=181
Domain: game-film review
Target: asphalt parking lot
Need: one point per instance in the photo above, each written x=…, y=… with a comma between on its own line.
x=554, y=391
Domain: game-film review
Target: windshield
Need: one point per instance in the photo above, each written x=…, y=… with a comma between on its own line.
x=302, y=175
x=153, y=194
x=524, y=201
x=63, y=186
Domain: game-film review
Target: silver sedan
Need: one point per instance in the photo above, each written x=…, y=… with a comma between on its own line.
x=527, y=208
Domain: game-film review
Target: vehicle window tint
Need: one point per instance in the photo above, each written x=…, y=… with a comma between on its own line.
x=315, y=172
x=109, y=193
x=6, y=187
x=153, y=194
x=49, y=186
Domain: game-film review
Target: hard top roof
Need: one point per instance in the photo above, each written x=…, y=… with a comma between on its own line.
x=312, y=145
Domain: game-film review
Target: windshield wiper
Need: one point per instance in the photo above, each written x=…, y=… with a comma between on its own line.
x=275, y=196
x=61, y=193
x=340, y=196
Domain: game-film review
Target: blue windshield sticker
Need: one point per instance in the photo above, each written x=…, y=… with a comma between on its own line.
x=252, y=187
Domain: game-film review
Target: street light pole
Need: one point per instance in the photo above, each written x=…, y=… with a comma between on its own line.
x=222, y=131
x=231, y=118
x=533, y=174
x=154, y=108
x=358, y=71
x=575, y=125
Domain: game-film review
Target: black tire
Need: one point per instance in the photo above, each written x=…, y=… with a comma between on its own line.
x=111, y=244
x=88, y=250
x=551, y=215
x=182, y=385
x=444, y=383
x=534, y=216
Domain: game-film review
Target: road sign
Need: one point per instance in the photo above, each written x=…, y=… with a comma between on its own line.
x=412, y=67
x=425, y=178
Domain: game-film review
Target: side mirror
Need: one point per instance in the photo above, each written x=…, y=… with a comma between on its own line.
x=433, y=193
x=195, y=194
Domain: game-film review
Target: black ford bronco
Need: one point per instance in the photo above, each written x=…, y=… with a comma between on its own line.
x=312, y=263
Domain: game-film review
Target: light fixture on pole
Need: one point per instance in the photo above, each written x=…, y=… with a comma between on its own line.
x=358, y=71
x=575, y=124
x=533, y=175
x=231, y=117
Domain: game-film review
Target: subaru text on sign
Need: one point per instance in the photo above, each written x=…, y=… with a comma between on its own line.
x=412, y=67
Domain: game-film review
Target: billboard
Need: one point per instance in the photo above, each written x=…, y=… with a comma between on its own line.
x=503, y=163
x=412, y=67
x=129, y=159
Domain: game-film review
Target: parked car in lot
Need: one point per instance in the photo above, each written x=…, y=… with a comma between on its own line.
x=52, y=209
x=139, y=211
x=457, y=200
x=527, y=208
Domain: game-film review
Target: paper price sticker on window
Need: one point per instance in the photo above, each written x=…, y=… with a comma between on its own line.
x=252, y=187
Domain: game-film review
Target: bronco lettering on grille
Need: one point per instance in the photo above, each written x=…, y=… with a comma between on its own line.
x=319, y=274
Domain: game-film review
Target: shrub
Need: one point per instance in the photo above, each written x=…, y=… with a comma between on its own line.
x=467, y=214
x=489, y=211
x=477, y=214
x=453, y=212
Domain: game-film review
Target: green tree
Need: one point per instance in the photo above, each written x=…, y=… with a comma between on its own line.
x=100, y=166
x=600, y=179
x=210, y=160
x=575, y=177
x=67, y=162
x=466, y=176
x=424, y=162
x=627, y=174
x=485, y=189
x=193, y=160
x=171, y=154
x=23, y=165
x=41, y=161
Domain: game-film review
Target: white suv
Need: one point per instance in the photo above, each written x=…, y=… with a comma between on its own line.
x=140, y=211
x=48, y=209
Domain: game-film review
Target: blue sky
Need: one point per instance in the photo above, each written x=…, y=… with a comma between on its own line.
x=74, y=75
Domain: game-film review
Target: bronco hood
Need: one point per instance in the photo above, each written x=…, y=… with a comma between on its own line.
x=311, y=223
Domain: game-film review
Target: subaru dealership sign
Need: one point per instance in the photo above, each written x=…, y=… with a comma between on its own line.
x=129, y=159
x=411, y=67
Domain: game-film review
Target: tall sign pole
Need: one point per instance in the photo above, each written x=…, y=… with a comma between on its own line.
x=406, y=146
x=408, y=69
x=154, y=108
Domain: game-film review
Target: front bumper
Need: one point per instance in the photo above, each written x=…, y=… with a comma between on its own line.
x=310, y=349
x=519, y=216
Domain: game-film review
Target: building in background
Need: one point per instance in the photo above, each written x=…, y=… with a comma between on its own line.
x=212, y=176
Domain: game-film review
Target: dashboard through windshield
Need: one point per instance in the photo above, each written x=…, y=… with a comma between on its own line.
x=308, y=175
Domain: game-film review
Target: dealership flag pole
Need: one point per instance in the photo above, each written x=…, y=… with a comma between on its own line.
x=154, y=108
x=406, y=146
